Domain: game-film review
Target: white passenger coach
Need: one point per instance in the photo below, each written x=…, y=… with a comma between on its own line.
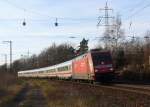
x=63, y=70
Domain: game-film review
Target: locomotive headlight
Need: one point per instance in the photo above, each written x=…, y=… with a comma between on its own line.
x=96, y=70
x=111, y=69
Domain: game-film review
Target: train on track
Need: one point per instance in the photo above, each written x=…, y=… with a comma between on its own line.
x=92, y=66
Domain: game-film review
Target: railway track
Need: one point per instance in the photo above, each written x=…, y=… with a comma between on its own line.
x=139, y=89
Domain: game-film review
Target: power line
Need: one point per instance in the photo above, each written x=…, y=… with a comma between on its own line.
x=137, y=5
x=24, y=9
x=138, y=11
x=45, y=15
x=134, y=7
x=69, y=18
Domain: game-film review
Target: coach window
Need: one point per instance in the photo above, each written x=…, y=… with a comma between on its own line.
x=69, y=67
x=65, y=68
x=53, y=70
x=60, y=69
x=40, y=71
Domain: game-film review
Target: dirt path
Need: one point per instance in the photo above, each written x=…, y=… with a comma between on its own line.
x=34, y=98
x=29, y=96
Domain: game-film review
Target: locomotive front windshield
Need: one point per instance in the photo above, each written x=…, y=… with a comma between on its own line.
x=98, y=58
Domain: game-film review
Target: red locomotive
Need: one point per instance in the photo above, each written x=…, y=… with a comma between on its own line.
x=93, y=66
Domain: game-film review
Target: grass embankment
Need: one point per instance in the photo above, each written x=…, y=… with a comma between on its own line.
x=67, y=94
x=62, y=94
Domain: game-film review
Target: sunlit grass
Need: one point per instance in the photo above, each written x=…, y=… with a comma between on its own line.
x=61, y=94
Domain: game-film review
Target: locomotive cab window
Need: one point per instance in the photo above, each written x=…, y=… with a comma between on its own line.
x=99, y=58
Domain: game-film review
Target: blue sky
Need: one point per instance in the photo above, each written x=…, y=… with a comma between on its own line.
x=75, y=17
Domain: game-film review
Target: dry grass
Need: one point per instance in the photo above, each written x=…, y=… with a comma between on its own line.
x=60, y=94
x=7, y=78
x=9, y=87
x=65, y=94
x=10, y=94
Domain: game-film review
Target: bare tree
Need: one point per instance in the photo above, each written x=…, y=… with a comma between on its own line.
x=114, y=35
